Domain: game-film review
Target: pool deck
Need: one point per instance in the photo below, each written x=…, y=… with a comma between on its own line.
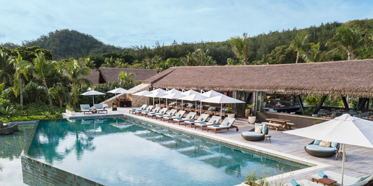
x=360, y=160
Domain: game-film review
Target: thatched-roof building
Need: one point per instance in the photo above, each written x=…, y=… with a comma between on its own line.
x=353, y=78
x=104, y=75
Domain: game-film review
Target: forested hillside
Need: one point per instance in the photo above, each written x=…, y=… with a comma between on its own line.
x=266, y=48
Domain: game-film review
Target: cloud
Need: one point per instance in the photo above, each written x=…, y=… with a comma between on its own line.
x=128, y=23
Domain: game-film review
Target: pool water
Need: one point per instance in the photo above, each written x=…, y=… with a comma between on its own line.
x=127, y=151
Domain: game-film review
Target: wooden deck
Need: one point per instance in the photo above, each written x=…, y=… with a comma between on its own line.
x=360, y=160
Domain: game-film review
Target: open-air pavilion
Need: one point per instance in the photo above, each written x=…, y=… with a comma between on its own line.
x=285, y=83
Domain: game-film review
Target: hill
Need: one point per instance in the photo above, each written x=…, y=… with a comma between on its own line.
x=70, y=43
x=263, y=47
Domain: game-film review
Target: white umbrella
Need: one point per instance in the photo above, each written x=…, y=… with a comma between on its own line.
x=155, y=95
x=142, y=93
x=344, y=129
x=195, y=97
x=176, y=95
x=119, y=91
x=189, y=92
x=221, y=99
x=212, y=93
x=172, y=91
x=92, y=93
x=158, y=90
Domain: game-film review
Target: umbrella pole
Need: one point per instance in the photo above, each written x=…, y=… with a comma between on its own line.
x=93, y=99
x=182, y=104
x=343, y=161
x=221, y=110
x=166, y=104
x=153, y=102
x=200, y=108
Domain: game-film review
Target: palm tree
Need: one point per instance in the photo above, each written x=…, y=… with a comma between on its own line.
x=240, y=47
x=203, y=58
x=125, y=78
x=74, y=72
x=41, y=68
x=314, y=54
x=58, y=92
x=189, y=60
x=18, y=89
x=348, y=39
x=298, y=43
x=6, y=74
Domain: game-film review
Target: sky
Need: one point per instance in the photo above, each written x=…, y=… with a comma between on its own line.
x=144, y=22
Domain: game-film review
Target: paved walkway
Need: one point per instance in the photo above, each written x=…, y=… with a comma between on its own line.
x=360, y=160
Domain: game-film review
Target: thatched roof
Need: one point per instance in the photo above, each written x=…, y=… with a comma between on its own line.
x=94, y=76
x=111, y=74
x=354, y=78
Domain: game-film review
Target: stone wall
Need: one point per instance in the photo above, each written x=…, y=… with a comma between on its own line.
x=37, y=173
x=136, y=101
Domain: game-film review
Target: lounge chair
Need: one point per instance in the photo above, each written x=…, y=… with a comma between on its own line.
x=254, y=136
x=138, y=111
x=214, y=120
x=347, y=180
x=85, y=108
x=145, y=112
x=141, y=108
x=153, y=114
x=156, y=110
x=177, y=115
x=315, y=149
x=169, y=113
x=190, y=116
x=202, y=118
x=226, y=124
x=100, y=107
x=303, y=183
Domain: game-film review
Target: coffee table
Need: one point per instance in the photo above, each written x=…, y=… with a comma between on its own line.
x=325, y=181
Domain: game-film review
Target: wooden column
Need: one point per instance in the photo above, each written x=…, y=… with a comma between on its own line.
x=345, y=103
x=367, y=107
x=321, y=102
x=362, y=103
x=300, y=103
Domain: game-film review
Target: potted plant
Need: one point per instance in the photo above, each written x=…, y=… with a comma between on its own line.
x=70, y=110
x=252, y=118
x=229, y=108
x=248, y=109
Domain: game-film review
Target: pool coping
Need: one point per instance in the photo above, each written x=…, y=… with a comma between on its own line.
x=314, y=165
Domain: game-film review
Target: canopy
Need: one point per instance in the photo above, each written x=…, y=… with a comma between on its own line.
x=172, y=91
x=156, y=95
x=195, y=97
x=189, y=92
x=212, y=93
x=176, y=95
x=119, y=91
x=158, y=90
x=142, y=93
x=344, y=129
x=92, y=93
x=221, y=99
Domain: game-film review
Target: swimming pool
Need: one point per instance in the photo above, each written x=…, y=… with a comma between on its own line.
x=127, y=151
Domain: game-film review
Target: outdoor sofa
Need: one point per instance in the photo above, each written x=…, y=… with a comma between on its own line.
x=226, y=124
x=315, y=149
x=254, y=136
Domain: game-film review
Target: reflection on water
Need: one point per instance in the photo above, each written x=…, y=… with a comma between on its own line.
x=127, y=151
x=11, y=147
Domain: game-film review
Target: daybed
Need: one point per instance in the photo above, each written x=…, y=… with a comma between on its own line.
x=254, y=136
